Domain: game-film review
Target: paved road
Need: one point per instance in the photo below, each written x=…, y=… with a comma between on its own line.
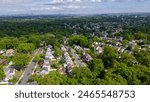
x=79, y=63
x=29, y=69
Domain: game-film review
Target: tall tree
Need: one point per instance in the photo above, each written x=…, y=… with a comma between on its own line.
x=96, y=65
x=2, y=74
x=21, y=60
x=109, y=56
x=25, y=48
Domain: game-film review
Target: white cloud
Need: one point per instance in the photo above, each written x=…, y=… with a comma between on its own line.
x=14, y=1
x=83, y=6
x=39, y=9
x=96, y=0
x=63, y=1
x=73, y=7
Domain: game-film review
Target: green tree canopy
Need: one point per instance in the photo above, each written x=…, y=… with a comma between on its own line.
x=2, y=74
x=79, y=40
x=140, y=35
x=35, y=39
x=21, y=59
x=96, y=65
x=8, y=43
x=109, y=56
x=143, y=57
x=114, y=79
x=128, y=59
x=128, y=73
x=25, y=48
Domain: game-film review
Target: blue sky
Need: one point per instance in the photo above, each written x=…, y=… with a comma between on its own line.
x=8, y=7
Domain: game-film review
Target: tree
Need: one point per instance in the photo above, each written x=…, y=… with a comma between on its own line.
x=56, y=48
x=143, y=57
x=79, y=40
x=114, y=79
x=2, y=74
x=21, y=59
x=23, y=39
x=13, y=80
x=25, y=48
x=128, y=73
x=8, y=43
x=83, y=76
x=109, y=56
x=37, y=58
x=140, y=35
x=125, y=42
x=128, y=59
x=53, y=78
x=42, y=55
x=49, y=39
x=128, y=37
x=96, y=65
x=143, y=74
x=96, y=39
x=34, y=39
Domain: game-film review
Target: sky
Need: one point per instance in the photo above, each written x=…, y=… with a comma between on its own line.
x=11, y=7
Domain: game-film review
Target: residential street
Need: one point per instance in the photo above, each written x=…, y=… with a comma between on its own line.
x=79, y=63
x=29, y=69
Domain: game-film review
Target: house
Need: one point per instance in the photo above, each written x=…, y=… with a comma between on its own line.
x=86, y=49
x=63, y=48
x=77, y=47
x=49, y=46
x=43, y=72
x=122, y=50
x=2, y=52
x=63, y=69
x=118, y=48
x=46, y=62
x=3, y=62
x=104, y=34
x=99, y=50
x=9, y=72
x=118, y=44
x=46, y=65
x=87, y=57
x=66, y=69
x=45, y=68
x=132, y=43
x=96, y=44
x=42, y=43
x=49, y=52
x=10, y=52
x=128, y=51
x=68, y=59
x=49, y=55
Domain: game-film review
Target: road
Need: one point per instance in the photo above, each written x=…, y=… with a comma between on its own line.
x=79, y=63
x=29, y=69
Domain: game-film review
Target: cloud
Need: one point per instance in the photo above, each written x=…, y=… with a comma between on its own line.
x=73, y=6
x=64, y=1
x=39, y=9
x=14, y=1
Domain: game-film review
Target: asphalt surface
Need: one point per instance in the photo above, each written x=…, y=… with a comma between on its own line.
x=28, y=70
x=79, y=63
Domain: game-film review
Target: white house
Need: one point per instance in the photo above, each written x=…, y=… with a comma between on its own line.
x=9, y=72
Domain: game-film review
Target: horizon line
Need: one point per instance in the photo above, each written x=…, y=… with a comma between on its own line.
x=73, y=14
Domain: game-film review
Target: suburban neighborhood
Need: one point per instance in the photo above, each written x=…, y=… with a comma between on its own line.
x=94, y=50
